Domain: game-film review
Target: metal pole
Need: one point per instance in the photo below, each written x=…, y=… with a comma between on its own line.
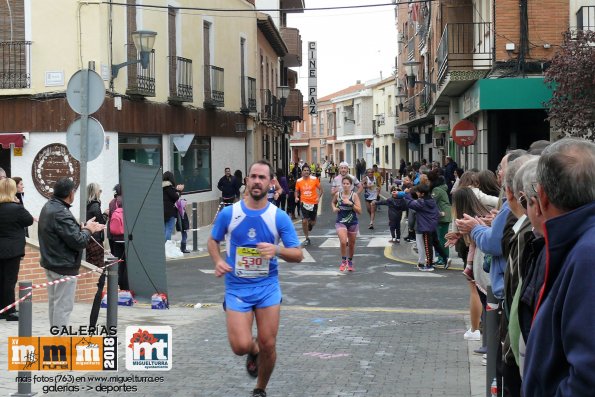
x=112, y=295
x=84, y=127
x=25, y=329
x=491, y=331
x=195, y=226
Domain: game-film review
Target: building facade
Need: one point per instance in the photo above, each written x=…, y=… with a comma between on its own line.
x=194, y=107
x=480, y=61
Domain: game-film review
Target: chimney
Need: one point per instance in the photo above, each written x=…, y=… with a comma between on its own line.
x=358, y=82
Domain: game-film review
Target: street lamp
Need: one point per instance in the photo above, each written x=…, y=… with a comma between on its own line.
x=411, y=69
x=283, y=93
x=143, y=41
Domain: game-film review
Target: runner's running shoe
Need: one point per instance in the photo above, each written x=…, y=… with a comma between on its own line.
x=343, y=266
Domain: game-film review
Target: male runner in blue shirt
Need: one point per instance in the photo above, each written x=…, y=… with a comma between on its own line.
x=252, y=229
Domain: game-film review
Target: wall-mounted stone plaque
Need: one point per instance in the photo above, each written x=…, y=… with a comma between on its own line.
x=52, y=163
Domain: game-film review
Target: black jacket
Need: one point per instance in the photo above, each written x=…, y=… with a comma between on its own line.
x=94, y=210
x=396, y=206
x=14, y=218
x=170, y=196
x=61, y=240
x=229, y=187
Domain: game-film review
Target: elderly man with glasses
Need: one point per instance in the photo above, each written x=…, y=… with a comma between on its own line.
x=559, y=358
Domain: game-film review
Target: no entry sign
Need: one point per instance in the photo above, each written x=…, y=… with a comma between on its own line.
x=464, y=133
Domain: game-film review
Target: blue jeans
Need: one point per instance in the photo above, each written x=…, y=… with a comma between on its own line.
x=169, y=227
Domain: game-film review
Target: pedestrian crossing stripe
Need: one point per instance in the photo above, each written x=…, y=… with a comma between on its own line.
x=413, y=274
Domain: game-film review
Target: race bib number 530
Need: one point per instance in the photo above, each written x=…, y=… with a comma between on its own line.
x=249, y=263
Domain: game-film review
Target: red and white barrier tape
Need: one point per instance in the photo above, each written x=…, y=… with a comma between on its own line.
x=61, y=280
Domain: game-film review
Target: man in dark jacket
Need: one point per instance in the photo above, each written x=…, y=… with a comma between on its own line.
x=450, y=167
x=230, y=189
x=559, y=359
x=61, y=244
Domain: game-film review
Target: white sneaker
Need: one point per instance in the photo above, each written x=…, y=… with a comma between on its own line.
x=472, y=335
x=484, y=362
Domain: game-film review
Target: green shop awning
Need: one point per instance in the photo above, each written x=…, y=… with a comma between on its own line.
x=514, y=93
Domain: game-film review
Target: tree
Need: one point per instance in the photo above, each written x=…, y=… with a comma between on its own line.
x=572, y=78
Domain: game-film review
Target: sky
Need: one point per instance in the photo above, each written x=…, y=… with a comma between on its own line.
x=352, y=44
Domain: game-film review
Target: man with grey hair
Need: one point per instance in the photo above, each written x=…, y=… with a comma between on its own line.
x=517, y=225
x=560, y=358
x=2, y=173
x=531, y=269
x=337, y=183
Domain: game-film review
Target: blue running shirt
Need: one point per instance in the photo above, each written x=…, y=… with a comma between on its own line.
x=243, y=228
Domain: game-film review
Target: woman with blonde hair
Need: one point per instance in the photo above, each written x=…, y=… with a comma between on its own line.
x=95, y=250
x=14, y=218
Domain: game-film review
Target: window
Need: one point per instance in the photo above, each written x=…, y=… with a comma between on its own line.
x=194, y=168
x=314, y=154
x=386, y=155
x=140, y=149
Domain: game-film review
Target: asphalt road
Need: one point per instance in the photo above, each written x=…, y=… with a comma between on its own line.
x=378, y=281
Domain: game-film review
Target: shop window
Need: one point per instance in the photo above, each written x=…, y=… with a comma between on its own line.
x=140, y=149
x=193, y=169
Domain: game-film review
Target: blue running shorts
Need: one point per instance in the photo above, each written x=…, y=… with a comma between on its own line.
x=250, y=298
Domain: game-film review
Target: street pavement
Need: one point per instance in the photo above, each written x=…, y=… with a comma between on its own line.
x=385, y=330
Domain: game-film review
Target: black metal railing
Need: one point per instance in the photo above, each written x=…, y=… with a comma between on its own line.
x=214, y=86
x=248, y=94
x=15, y=70
x=142, y=81
x=585, y=18
x=411, y=49
x=464, y=46
x=411, y=108
x=180, y=82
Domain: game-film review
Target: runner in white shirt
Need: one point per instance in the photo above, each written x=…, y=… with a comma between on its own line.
x=337, y=183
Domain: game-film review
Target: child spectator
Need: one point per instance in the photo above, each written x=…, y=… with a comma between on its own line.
x=396, y=206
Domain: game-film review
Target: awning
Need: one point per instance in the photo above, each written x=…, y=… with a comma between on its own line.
x=6, y=140
x=295, y=144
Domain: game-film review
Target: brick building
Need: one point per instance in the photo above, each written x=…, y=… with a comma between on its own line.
x=481, y=61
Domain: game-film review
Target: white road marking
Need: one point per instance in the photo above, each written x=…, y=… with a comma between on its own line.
x=307, y=257
x=414, y=274
x=378, y=242
x=330, y=243
x=315, y=272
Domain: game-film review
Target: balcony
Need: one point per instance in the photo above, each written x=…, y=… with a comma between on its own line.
x=349, y=127
x=15, y=70
x=141, y=82
x=585, y=18
x=180, y=79
x=293, y=41
x=294, y=106
x=248, y=95
x=266, y=105
x=214, y=87
x=465, y=48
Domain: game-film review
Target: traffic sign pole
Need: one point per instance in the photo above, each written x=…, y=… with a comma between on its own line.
x=83, y=143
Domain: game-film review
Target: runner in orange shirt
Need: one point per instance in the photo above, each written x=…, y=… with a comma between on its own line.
x=308, y=193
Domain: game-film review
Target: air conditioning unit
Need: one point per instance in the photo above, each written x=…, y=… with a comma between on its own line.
x=323, y=141
x=380, y=119
x=438, y=142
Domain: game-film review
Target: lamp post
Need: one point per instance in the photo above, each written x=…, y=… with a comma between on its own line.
x=143, y=41
x=411, y=68
x=283, y=94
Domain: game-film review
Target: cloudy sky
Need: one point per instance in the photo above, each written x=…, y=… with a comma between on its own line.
x=353, y=44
